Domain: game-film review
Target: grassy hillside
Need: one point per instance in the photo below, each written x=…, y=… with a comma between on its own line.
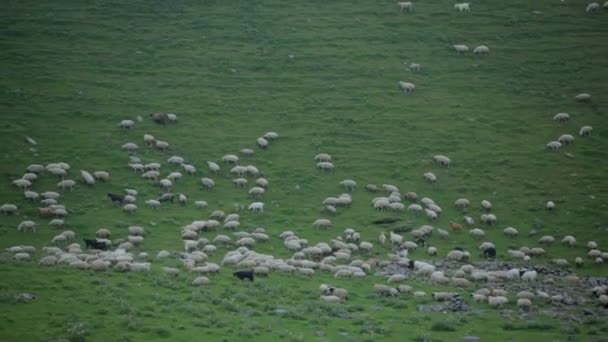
x=324, y=76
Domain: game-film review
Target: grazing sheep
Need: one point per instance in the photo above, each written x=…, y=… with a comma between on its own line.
x=171, y=271
x=510, y=232
x=481, y=50
x=546, y=240
x=497, y=301
x=191, y=170
x=271, y=135
x=430, y=177
x=30, y=177
x=159, y=118
x=462, y=203
x=457, y=255
x=566, y=139
x=149, y=139
x=262, y=143
x=561, y=117
x=325, y=166
x=463, y=7
x=407, y=87
x=256, y=192
x=126, y=124
x=229, y=159
x=406, y=6
x=257, y=207
x=591, y=245
x=550, y=205
x=153, y=204
x=414, y=67
x=585, y=131
x=262, y=182
x=198, y=281
x=569, y=241
x=488, y=219
x=22, y=184
x=200, y=204
x=592, y=8
x=529, y=276
x=561, y=262
x=102, y=175
x=208, y=183
x=161, y=145
x=130, y=147
x=323, y=157
x=460, y=48
x=27, y=226
x=348, y=184
x=56, y=223
x=477, y=233
x=322, y=224
x=8, y=209
x=129, y=208
x=583, y=97
x=524, y=303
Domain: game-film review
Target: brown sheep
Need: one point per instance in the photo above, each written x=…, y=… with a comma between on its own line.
x=160, y=118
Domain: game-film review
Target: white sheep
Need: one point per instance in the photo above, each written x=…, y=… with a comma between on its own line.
x=130, y=147
x=561, y=117
x=592, y=8
x=161, y=145
x=126, y=124
x=22, y=184
x=583, y=97
x=35, y=168
x=414, y=67
x=8, y=209
x=56, y=223
x=326, y=166
x=348, y=184
x=529, y=276
x=442, y=160
x=190, y=169
x=322, y=223
x=27, y=226
x=510, y=232
x=129, y=208
x=463, y=7
x=430, y=177
x=262, y=182
x=149, y=139
x=477, y=233
x=175, y=160
x=481, y=50
x=406, y=6
x=102, y=175
x=257, y=207
x=256, y=192
x=229, y=159
x=569, y=241
x=271, y=135
x=497, y=301
x=407, y=87
x=262, y=143
x=323, y=157
x=585, y=131
x=566, y=139
x=460, y=48
x=252, y=170
x=546, y=239
x=208, y=183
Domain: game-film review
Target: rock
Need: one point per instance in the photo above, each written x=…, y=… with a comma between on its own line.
x=25, y=297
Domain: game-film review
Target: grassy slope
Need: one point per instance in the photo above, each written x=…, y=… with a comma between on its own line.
x=72, y=71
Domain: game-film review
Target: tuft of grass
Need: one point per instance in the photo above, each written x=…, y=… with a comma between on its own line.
x=443, y=326
x=532, y=325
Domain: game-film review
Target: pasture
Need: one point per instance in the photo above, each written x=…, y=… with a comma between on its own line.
x=323, y=75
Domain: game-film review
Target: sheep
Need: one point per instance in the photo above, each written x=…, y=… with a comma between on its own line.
x=200, y=204
x=463, y=7
x=126, y=124
x=561, y=117
x=252, y=170
x=583, y=97
x=488, y=219
x=271, y=135
x=262, y=182
x=406, y=6
x=171, y=271
x=546, y=240
x=262, y=143
x=190, y=169
x=569, y=241
x=407, y=87
x=136, y=230
x=322, y=223
x=439, y=277
x=56, y=223
x=591, y=245
x=603, y=299
x=550, y=205
x=8, y=209
x=566, y=139
x=395, y=238
x=229, y=159
x=129, y=208
x=256, y=192
x=103, y=176
x=149, y=139
x=21, y=257
x=366, y=246
x=497, y=301
x=585, y=131
x=477, y=233
x=325, y=166
x=385, y=290
x=593, y=8
x=22, y=184
x=396, y=278
x=30, y=177
x=348, y=184
x=159, y=118
x=161, y=145
x=166, y=184
x=182, y=199
x=578, y=261
x=457, y=255
x=460, y=48
x=529, y=276
x=561, y=262
x=151, y=175
x=430, y=177
x=232, y=225
x=153, y=204
x=130, y=147
x=524, y=303
x=27, y=226
x=462, y=203
x=486, y=205
x=510, y=232
x=208, y=183
x=175, y=160
x=35, y=168
x=58, y=172
x=481, y=50
x=322, y=157
x=414, y=67
x=171, y=118
x=257, y=207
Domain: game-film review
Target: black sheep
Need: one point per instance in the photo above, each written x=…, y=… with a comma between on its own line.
x=116, y=198
x=244, y=275
x=490, y=252
x=92, y=243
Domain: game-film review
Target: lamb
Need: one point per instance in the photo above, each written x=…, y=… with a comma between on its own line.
x=102, y=175
x=8, y=209
x=585, y=131
x=208, y=183
x=407, y=87
x=126, y=124
x=406, y=6
x=460, y=48
x=481, y=50
x=593, y=8
x=257, y=207
x=27, y=226
x=463, y=7
x=561, y=117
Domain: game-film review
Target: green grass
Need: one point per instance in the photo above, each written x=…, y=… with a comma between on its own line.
x=324, y=76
